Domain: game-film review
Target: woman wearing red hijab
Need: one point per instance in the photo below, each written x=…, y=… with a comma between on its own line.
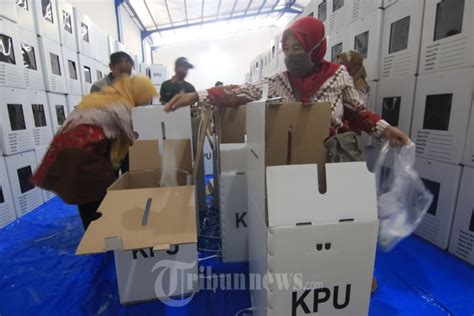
x=309, y=79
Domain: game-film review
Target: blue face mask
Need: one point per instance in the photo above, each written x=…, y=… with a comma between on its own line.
x=301, y=64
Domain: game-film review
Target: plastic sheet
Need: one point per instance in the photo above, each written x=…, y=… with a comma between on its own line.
x=41, y=275
x=402, y=198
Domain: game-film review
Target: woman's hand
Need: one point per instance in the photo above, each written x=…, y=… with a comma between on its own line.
x=181, y=100
x=396, y=136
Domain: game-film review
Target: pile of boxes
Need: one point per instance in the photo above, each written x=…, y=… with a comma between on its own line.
x=420, y=67
x=50, y=54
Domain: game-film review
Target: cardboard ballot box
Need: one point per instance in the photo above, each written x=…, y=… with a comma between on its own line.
x=317, y=232
x=462, y=236
x=151, y=228
x=231, y=180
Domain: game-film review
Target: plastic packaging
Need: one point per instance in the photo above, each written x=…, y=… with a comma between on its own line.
x=402, y=198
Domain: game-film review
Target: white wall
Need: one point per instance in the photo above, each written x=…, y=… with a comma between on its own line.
x=147, y=57
x=101, y=12
x=225, y=59
x=130, y=35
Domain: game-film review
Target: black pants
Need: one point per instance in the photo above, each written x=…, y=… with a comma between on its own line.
x=88, y=212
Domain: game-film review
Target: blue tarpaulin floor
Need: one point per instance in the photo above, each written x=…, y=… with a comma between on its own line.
x=40, y=275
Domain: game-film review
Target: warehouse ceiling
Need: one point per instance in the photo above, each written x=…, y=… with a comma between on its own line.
x=169, y=21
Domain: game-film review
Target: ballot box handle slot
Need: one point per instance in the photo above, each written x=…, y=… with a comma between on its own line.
x=288, y=145
x=146, y=212
x=163, y=130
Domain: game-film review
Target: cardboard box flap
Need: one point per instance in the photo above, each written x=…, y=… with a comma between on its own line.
x=125, y=225
x=351, y=194
x=232, y=125
x=145, y=155
x=178, y=150
x=233, y=158
x=295, y=133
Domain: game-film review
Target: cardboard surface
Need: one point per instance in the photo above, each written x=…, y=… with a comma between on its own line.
x=338, y=17
x=441, y=114
x=402, y=25
x=58, y=109
x=7, y=209
x=32, y=65
x=16, y=121
x=72, y=71
x=25, y=17
x=159, y=74
x=233, y=158
x=362, y=8
x=234, y=217
x=46, y=19
x=11, y=74
x=324, y=228
x=395, y=103
x=53, y=65
x=442, y=180
x=39, y=155
x=140, y=271
x=39, y=108
x=448, y=44
x=86, y=70
x=152, y=122
x=368, y=43
x=145, y=154
x=83, y=29
x=125, y=224
x=306, y=124
x=8, y=10
x=72, y=102
x=232, y=125
x=26, y=197
x=337, y=43
x=282, y=194
x=341, y=267
x=469, y=147
x=462, y=236
x=171, y=220
x=67, y=25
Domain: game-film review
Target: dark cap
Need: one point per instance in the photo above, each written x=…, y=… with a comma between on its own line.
x=182, y=61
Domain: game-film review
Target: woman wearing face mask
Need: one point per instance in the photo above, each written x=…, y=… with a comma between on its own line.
x=309, y=79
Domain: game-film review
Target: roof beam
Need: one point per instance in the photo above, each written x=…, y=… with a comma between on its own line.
x=169, y=14
x=186, y=11
x=235, y=17
x=218, y=9
x=288, y=9
x=202, y=12
x=135, y=15
x=261, y=7
x=151, y=15
x=247, y=9
x=233, y=8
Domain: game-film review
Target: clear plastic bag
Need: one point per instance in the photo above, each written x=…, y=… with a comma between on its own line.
x=402, y=198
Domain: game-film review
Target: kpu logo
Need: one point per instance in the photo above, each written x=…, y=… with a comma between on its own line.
x=320, y=296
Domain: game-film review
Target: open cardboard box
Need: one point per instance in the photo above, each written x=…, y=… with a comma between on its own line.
x=311, y=223
x=231, y=180
x=148, y=225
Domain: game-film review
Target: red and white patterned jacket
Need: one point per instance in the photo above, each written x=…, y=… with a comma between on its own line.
x=349, y=111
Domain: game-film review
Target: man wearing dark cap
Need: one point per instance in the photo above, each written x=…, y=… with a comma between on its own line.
x=177, y=84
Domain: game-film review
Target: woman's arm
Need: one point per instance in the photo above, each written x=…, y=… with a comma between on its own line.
x=359, y=118
x=228, y=96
